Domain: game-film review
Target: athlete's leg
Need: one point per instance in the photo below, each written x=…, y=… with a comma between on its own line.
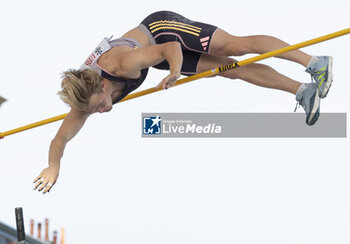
x=257, y=74
x=225, y=44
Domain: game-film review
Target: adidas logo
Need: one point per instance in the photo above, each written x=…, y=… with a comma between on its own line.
x=205, y=41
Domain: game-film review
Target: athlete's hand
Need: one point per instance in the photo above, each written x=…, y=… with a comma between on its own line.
x=168, y=81
x=46, y=179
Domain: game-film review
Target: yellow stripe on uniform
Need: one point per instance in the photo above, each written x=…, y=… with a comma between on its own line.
x=173, y=22
x=174, y=28
x=176, y=25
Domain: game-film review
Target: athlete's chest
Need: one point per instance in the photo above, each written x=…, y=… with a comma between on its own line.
x=112, y=60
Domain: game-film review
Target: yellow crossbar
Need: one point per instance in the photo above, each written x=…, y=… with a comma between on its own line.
x=198, y=76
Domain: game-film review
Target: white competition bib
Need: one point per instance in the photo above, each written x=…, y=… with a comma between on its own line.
x=99, y=50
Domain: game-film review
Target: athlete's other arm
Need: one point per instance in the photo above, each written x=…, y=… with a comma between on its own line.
x=131, y=62
x=149, y=56
x=71, y=125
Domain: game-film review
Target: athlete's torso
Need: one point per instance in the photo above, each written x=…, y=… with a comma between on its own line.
x=105, y=57
x=108, y=59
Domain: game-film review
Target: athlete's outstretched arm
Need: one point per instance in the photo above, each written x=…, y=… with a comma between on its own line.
x=71, y=125
x=149, y=56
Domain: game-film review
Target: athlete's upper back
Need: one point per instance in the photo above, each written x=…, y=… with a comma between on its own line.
x=106, y=45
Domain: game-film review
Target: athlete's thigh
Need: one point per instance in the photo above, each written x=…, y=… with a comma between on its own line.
x=225, y=44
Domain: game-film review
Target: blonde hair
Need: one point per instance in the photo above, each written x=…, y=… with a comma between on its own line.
x=77, y=87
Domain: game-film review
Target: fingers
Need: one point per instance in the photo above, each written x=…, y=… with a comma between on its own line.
x=165, y=84
x=171, y=81
x=44, y=184
x=37, y=178
x=39, y=181
x=170, y=84
x=168, y=81
x=47, y=188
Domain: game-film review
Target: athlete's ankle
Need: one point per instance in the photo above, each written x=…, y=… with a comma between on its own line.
x=313, y=60
x=300, y=90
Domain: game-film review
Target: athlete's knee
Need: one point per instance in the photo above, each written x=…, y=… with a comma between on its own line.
x=231, y=74
x=241, y=73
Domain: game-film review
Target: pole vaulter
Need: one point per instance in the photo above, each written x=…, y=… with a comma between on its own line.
x=197, y=76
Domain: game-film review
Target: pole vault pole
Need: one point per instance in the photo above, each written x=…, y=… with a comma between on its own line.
x=198, y=76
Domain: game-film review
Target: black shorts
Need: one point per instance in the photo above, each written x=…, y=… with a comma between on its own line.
x=194, y=37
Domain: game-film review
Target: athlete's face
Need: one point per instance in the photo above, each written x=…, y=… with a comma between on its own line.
x=101, y=102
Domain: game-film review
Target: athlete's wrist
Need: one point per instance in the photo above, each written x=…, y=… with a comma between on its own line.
x=176, y=71
x=54, y=165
